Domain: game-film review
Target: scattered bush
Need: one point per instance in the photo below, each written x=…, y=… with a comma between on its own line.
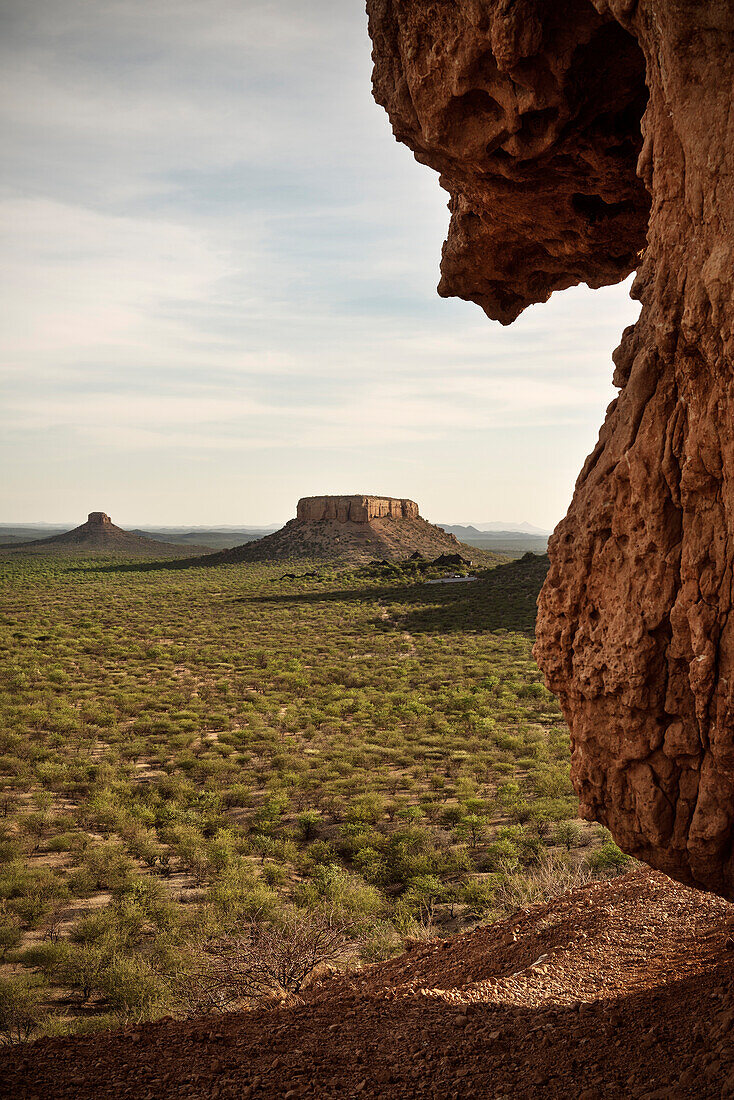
x=264, y=749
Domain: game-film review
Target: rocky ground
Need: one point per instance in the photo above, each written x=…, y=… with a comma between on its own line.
x=617, y=989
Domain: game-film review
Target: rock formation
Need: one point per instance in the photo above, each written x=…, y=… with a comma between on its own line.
x=98, y=519
x=100, y=535
x=354, y=529
x=580, y=140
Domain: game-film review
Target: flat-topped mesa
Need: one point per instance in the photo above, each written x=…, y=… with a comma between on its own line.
x=100, y=519
x=355, y=509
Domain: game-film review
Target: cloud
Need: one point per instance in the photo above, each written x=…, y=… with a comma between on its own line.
x=213, y=247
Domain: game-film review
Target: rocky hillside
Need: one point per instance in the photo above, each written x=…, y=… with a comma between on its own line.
x=617, y=989
x=354, y=529
x=100, y=535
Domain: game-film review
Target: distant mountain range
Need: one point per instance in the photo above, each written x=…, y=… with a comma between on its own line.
x=217, y=538
x=497, y=527
x=501, y=539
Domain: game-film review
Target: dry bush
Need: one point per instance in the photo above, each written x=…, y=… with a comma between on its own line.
x=264, y=960
x=546, y=880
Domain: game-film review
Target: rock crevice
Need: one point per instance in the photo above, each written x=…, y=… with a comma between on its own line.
x=580, y=141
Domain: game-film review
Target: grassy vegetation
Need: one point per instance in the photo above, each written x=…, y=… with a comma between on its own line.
x=186, y=753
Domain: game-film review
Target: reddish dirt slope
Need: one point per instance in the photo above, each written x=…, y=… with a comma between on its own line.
x=620, y=989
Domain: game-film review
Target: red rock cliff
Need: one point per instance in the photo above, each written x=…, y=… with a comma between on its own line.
x=357, y=509
x=559, y=128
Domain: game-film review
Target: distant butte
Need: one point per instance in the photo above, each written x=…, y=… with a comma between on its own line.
x=100, y=534
x=358, y=509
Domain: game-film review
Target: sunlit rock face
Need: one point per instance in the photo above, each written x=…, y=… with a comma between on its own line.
x=357, y=509
x=579, y=141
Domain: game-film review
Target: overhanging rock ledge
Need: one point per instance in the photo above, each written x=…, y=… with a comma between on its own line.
x=580, y=141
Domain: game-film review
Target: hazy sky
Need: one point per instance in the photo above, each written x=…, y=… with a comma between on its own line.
x=218, y=284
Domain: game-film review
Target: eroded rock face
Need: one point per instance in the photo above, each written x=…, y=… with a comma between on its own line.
x=357, y=509
x=533, y=113
x=99, y=519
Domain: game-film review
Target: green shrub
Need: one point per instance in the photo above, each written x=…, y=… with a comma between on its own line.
x=320, y=852
x=10, y=930
x=133, y=988
x=499, y=855
x=308, y=824
x=48, y=958
x=567, y=834
x=21, y=1008
x=478, y=896
x=380, y=942
x=347, y=895
x=86, y=965
x=236, y=896
x=607, y=858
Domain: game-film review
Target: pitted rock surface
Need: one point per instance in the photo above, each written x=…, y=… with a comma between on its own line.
x=557, y=128
x=531, y=113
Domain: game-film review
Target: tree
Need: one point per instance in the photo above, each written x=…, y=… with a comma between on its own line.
x=472, y=826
